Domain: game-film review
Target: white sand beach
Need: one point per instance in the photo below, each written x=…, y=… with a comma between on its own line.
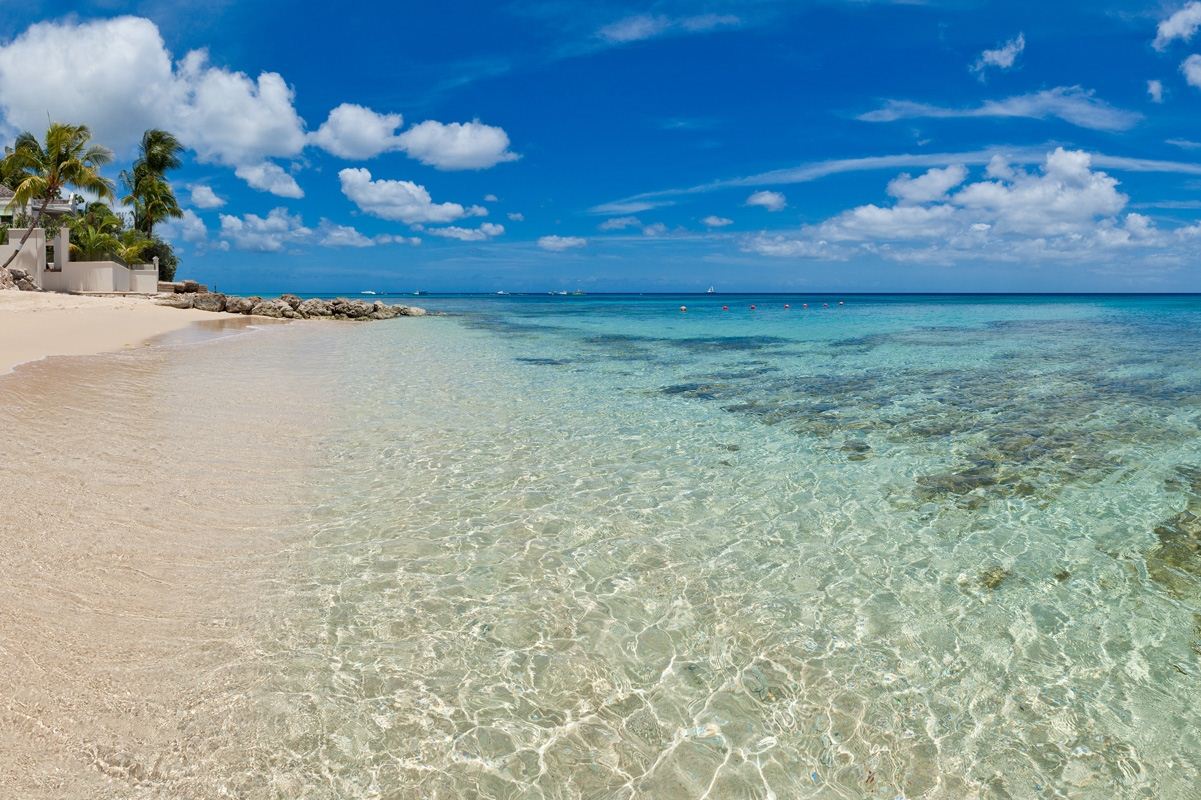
x=36, y=325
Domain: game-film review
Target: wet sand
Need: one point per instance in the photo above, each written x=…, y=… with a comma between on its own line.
x=148, y=499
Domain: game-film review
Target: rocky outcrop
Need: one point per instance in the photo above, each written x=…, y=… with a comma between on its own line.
x=314, y=308
x=178, y=300
x=240, y=305
x=270, y=308
x=288, y=306
x=182, y=287
x=16, y=278
x=211, y=301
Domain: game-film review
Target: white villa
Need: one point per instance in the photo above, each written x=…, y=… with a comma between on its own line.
x=51, y=269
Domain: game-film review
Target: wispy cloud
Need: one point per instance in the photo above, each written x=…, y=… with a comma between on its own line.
x=1003, y=57
x=649, y=26
x=816, y=170
x=1072, y=104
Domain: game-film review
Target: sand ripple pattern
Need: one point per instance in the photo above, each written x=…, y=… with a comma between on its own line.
x=886, y=552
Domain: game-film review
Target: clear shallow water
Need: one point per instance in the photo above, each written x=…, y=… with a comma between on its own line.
x=906, y=547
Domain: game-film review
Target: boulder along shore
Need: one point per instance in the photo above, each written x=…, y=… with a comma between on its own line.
x=288, y=306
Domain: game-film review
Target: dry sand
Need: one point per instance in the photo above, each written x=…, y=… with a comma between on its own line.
x=35, y=325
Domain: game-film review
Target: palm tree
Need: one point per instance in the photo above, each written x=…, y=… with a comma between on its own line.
x=41, y=171
x=89, y=243
x=149, y=192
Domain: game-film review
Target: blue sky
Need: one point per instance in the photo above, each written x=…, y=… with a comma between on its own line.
x=807, y=146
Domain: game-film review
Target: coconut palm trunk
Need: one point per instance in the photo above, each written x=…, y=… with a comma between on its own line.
x=67, y=159
x=28, y=232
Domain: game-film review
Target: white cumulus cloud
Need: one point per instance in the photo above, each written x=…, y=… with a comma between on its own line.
x=270, y=234
x=560, y=243
x=1066, y=211
x=457, y=145
x=714, y=221
x=1180, y=25
x=229, y=118
x=403, y=201
x=269, y=177
x=772, y=201
x=389, y=238
x=931, y=185
x=203, y=196
x=117, y=76
x=189, y=228
x=114, y=75
x=331, y=234
x=516, y=216
x=1192, y=70
x=1155, y=91
x=481, y=234
x=354, y=131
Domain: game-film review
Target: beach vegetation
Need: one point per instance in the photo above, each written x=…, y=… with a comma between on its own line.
x=99, y=233
x=67, y=158
x=148, y=192
x=167, y=260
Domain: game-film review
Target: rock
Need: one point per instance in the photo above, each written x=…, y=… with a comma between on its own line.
x=27, y=285
x=212, y=301
x=190, y=287
x=178, y=300
x=239, y=305
x=381, y=310
x=17, y=273
x=287, y=306
x=993, y=577
x=342, y=308
x=6, y=280
x=271, y=308
x=315, y=308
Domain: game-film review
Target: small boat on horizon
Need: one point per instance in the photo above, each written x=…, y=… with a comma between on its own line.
x=368, y=292
x=711, y=290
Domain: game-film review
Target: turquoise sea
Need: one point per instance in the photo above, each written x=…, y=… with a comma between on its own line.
x=894, y=547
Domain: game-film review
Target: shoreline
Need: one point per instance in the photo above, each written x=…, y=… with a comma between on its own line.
x=38, y=325
x=134, y=598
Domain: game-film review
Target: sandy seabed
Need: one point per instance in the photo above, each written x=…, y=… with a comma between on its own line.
x=147, y=500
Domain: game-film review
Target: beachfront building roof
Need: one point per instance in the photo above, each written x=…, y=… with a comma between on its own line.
x=8, y=213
